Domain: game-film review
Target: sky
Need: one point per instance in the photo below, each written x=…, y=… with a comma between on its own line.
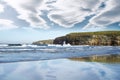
x=26, y=21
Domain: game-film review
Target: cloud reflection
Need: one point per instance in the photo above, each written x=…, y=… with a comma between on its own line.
x=60, y=69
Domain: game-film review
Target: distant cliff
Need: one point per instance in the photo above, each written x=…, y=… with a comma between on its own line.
x=50, y=41
x=91, y=38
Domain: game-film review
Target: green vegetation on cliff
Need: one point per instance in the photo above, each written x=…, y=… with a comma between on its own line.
x=91, y=38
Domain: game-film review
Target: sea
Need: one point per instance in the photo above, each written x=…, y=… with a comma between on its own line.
x=55, y=63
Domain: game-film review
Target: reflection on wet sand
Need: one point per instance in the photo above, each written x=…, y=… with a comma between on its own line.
x=59, y=69
x=111, y=58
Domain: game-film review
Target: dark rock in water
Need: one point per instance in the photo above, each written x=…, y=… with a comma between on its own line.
x=14, y=44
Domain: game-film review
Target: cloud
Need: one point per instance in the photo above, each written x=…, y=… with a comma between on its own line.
x=6, y=24
x=30, y=11
x=92, y=27
x=1, y=8
x=67, y=13
x=109, y=15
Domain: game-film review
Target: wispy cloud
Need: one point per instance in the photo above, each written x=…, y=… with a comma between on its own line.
x=7, y=24
x=109, y=15
x=29, y=10
x=1, y=8
x=66, y=13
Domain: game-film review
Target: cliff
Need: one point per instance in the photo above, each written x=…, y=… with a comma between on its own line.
x=50, y=41
x=111, y=38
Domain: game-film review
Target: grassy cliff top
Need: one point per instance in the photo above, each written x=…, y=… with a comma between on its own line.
x=96, y=33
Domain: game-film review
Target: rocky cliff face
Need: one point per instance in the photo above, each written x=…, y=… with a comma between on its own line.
x=111, y=38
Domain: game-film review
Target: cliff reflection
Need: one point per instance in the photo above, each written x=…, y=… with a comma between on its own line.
x=112, y=58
